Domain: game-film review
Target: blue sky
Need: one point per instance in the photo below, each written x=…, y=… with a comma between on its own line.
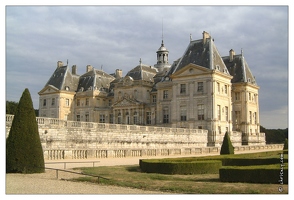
x=116, y=37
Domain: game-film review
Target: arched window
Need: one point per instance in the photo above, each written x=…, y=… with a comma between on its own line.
x=119, y=118
x=135, y=117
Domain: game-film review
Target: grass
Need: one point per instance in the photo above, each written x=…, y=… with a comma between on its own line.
x=131, y=176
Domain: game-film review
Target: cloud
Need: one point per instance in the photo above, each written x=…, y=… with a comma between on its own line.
x=116, y=37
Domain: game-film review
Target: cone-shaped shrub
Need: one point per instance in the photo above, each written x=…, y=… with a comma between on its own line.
x=24, y=153
x=285, y=144
x=227, y=147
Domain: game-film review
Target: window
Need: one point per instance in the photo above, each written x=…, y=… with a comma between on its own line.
x=111, y=118
x=237, y=96
x=218, y=112
x=78, y=102
x=135, y=117
x=66, y=102
x=119, y=118
x=250, y=117
x=199, y=127
x=87, y=101
x=135, y=94
x=218, y=87
x=52, y=114
x=200, y=87
x=148, y=117
x=227, y=113
x=87, y=117
x=109, y=102
x=255, y=118
x=127, y=117
x=237, y=116
x=52, y=101
x=165, y=94
x=44, y=102
x=78, y=118
x=153, y=98
x=101, y=118
x=249, y=96
x=183, y=113
x=219, y=130
x=255, y=98
x=165, y=116
x=200, y=109
x=183, y=89
x=226, y=89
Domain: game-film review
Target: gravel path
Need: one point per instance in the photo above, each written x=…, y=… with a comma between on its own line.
x=47, y=183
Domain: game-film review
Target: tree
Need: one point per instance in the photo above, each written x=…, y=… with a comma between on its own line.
x=274, y=136
x=227, y=147
x=24, y=153
x=11, y=107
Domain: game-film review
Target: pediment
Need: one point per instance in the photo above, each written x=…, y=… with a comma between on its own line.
x=191, y=70
x=48, y=89
x=126, y=103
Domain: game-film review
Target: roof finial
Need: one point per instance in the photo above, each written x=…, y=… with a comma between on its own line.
x=242, y=51
x=162, y=44
x=190, y=37
x=67, y=62
x=140, y=61
x=162, y=30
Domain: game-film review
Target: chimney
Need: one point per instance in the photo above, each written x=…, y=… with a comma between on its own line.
x=74, y=70
x=118, y=73
x=59, y=64
x=232, y=54
x=205, y=36
x=89, y=68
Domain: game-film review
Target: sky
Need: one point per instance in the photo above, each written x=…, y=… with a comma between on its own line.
x=117, y=37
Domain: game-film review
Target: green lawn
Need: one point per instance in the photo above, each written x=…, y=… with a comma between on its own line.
x=131, y=176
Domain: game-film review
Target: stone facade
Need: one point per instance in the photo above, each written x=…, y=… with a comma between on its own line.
x=200, y=90
x=63, y=139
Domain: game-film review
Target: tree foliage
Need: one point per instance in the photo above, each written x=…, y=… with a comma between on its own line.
x=11, y=107
x=274, y=136
x=24, y=153
x=227, y=147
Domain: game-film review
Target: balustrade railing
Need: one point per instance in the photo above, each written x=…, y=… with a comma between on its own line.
x=44, y=121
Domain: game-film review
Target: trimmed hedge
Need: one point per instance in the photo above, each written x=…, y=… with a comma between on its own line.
x=251, y=161
x=255, y=174
x=227, y=147
x=193, y=167
x=24, y=153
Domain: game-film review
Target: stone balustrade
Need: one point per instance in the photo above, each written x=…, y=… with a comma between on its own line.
x=63, y=139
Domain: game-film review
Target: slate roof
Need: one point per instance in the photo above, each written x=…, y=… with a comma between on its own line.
x=63, y=77
x=142, y=72
x=200, y=54
x=239, y=69
x=95, y=79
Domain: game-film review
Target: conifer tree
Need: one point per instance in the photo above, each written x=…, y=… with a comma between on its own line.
x=24, y=153
x=227, y=147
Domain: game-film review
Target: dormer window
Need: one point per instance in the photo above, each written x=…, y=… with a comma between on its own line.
x=67, y=88
x=249, y=80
